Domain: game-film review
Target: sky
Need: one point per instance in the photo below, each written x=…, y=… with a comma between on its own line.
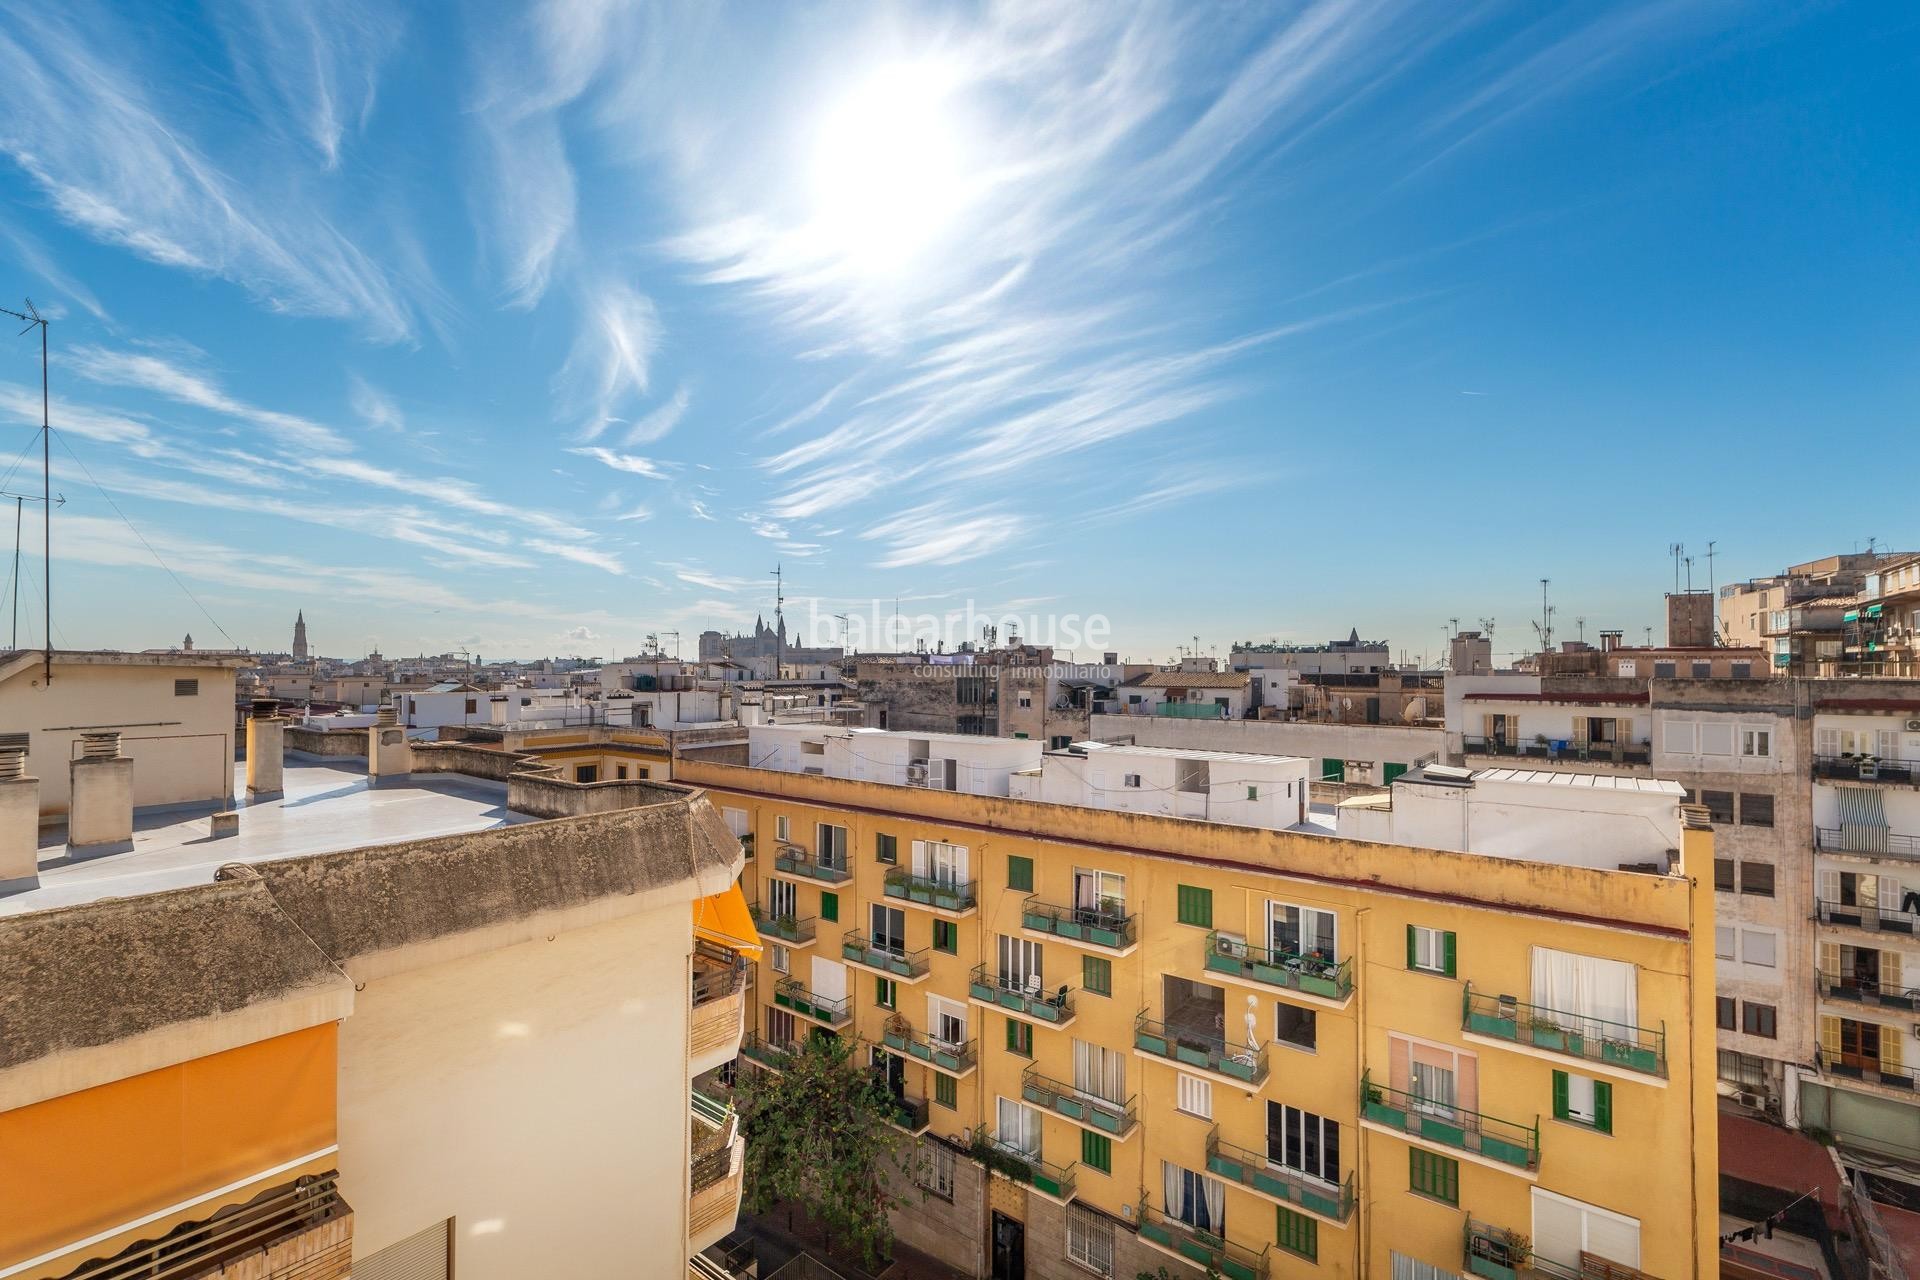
x=537, y=331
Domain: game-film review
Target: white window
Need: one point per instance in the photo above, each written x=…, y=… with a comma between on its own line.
x=1723, y=941
x=1716, y=739
x=1430, y=949
x=1757, y=946
x=1021, y=967
x=1405, y=1268
x=1580, y=1104
x=1018, y=1126
x=782, y=828
x=1563, y=1229
x=1099, y=892
x=1589, y=989
x=779, y=957
x=1194, y=1198
x=1026, y=698
x=780, y=1027
x=1303, y=930
x=783, y=899
x=937, y=1175
x=830, y=845
x=1627, y=669
x=944, y=863
x=1099, y=1072
x=1090, y=1239
x=736, y=820
x=1195, y=1096
x=947, y=1020
x=1756, y=742
x=1303, y=1141
x=1433, y=1088
x=1679, y=737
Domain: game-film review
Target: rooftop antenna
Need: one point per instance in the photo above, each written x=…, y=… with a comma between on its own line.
x=1689, y=560
x=32, y=318
x=20, y=499
x=1712, y=632
x=1582, y=624
x=676, y=641
x=1544, y=627
x=1676, y=550
x=842, y=619
x=779, y=619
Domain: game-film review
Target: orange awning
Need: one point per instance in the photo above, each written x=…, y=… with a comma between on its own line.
x=725, y=920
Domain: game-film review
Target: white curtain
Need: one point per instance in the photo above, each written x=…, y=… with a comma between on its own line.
x=1099, y=1072
x=1216, y=1194
x=1172, y=1188
x=1587, y=987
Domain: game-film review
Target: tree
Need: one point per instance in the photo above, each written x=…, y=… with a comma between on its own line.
x=819, y=1138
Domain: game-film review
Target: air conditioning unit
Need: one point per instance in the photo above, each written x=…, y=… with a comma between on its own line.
x=1913, y=726
x=917, y=773
x=1232, y=944
x=1916, y=1031
x=1757, y=1101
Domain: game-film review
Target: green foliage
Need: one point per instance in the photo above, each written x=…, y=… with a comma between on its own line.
x=819, y=1139
x=1161, y=1273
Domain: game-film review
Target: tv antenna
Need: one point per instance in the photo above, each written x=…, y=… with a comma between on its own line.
x=32, y=319
x=1677, y=550
x=779, y=619
x=19, y=499
x=675, y=635
x=842, y=619
x=1544, y=627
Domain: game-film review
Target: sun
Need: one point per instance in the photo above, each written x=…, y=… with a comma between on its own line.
x=889, y=168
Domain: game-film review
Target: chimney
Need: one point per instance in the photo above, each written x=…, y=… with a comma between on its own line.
x=388, y=755
x=266, y=750
x=100, y=813
x=19, y=818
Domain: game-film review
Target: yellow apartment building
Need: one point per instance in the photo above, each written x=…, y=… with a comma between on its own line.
x=1134, y=1041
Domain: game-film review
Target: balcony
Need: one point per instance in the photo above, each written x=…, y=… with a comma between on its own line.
x=1853, y=1066
x=1029, y=1001
x=944, y=897
x=792, y=860
x=1115, y=1119
x=1862, y=768
x=1499, y=1140
x=1850, y=987
x=904, y=966
x=719, y=1008
x=1051, y=1180
x=1311, y=974
x=1563, y=750
x=909, y=1115
x=1498, y=1253
x=714, y=1174
x=955, y=1059
x=1252, y=1170
x=1872, y=919
x=1236, y=1063
x=791, y=993
x=1576, y=1035
x=770, y=1054
x=1202, y=1248
x=1867, y=841
x=285, y=1231
x=1107, y=928
x=793, y=932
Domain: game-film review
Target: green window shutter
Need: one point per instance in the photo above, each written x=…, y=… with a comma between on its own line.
x=1096, y=1151
x=1096, y=975
x=1020, y=874
x=1195, y=906
x=946, y=1091
x=1603, y=1106
x=946, y=936
x=1559, y=1095
x=1297, y=1233
x=1448, y=939
x=1412, y=954
x=1019, y=1038
x=830, y=906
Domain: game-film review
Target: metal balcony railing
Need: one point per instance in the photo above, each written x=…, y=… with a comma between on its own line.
x=193, y=1249
x=1574, y=1034
x=795, y=861
x=1498, y=1253
x=714, y=981
x=1252, y=1169
x=947, y=895
x=1200, y=1246
x=798, y=931
x=1116, y=1118
x=1311, y=973
x=1192, y=1048
x=1560, y=749
x=953, y=1057
x=858, y=948
x=1864, y=768
x=907, y=1113
x=1106, y=926
x=1846, y=986
x=1449, y=1125
x=1030, y=997
x=1870, y=841
x=1876, y=919
x=791, y=993
x=1854, y=1066
x=767, y=1053
x=1023, y=1166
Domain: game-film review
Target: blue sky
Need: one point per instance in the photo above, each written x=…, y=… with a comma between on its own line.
x=538, y=330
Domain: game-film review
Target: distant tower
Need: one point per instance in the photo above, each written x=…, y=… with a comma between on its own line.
x=187, y=646
x=300, y=636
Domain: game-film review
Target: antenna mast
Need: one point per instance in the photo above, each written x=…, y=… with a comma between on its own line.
x=779, y=620
x=31, y=317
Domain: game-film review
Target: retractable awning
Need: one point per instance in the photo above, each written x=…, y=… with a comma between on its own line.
x=1863, y=820
x=725, y=920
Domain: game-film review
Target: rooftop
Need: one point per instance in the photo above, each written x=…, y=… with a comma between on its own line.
x=1196, y=680
x=326, y=806
x=1588, y=781
x=1176, y=753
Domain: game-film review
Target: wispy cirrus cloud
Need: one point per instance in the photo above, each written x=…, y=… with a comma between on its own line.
x=315, y=64
x=660, y=420
x=631, y=463
x=167, y=378
x=81, y=118
x=375, y=407
x=610, y=358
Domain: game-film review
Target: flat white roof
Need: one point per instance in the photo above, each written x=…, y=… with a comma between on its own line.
x=903, y=735
x=1592, y=781
x=1177, y=753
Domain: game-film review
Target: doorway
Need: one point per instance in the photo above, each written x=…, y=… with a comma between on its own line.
x=1009, y=1248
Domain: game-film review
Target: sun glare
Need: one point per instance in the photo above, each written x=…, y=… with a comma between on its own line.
x=889, y=167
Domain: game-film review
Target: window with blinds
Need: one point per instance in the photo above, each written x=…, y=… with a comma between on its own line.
x=421, y=1256
x=1195, y=1096
x=1564, y=1228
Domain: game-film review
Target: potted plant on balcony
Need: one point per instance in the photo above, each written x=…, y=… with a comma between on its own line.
x=1547, y=1033
x=894, y=1034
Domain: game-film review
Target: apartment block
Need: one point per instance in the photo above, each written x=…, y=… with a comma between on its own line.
x=1131, y=1041
x=426, y=1004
